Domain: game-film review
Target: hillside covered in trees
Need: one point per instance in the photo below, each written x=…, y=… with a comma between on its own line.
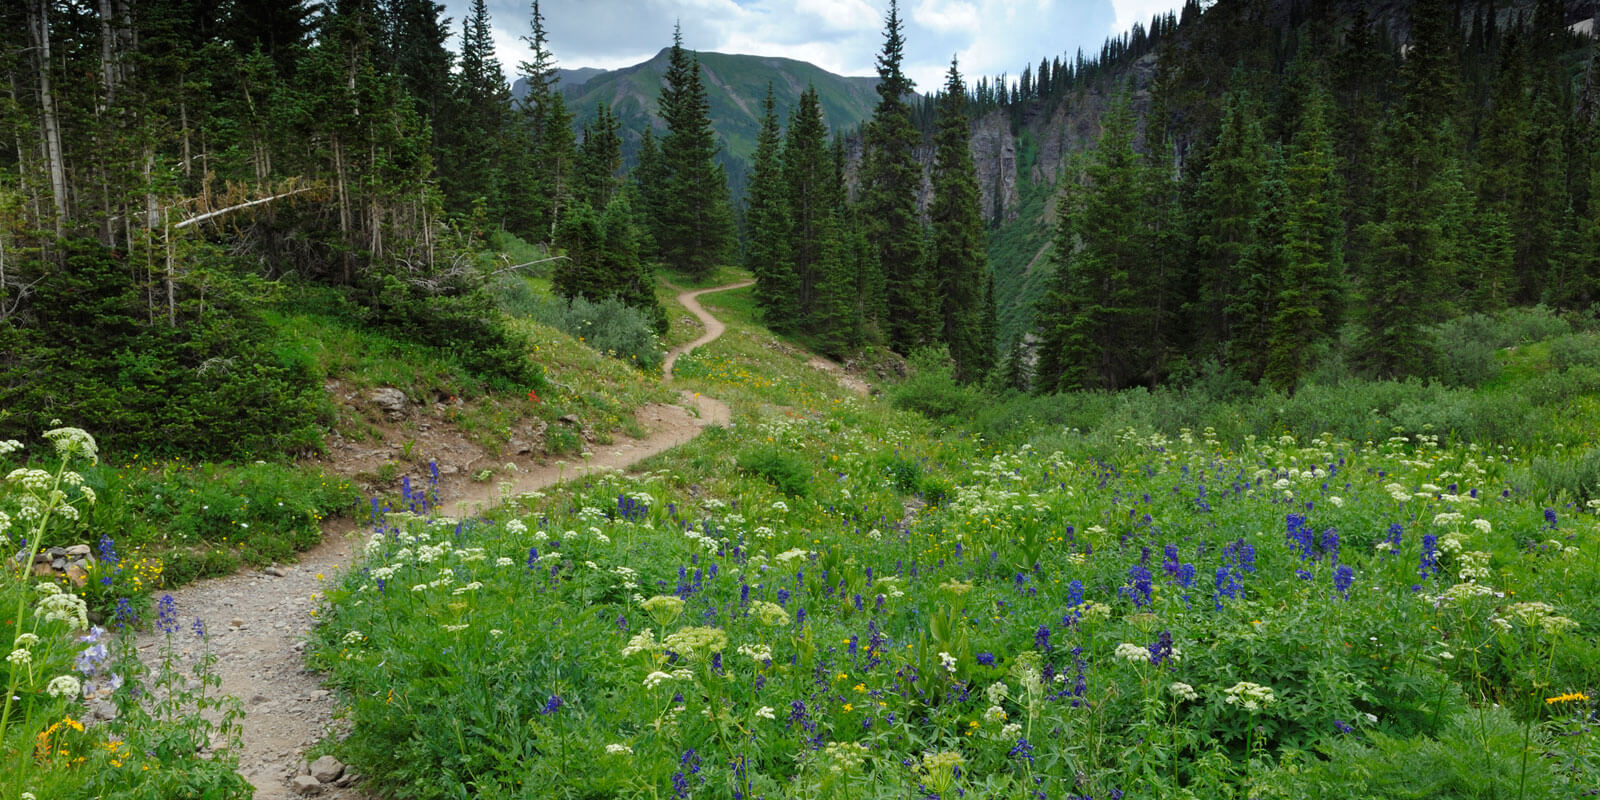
x=1249, y=190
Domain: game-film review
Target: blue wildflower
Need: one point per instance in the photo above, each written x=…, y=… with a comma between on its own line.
x=1041, y=639
x=1429, y=562
x=167, y=614
x=1343, y=577
x=1022, y=750
x=552, y=704
x=986, y=659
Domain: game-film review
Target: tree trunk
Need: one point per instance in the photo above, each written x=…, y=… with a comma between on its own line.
x=39, y=32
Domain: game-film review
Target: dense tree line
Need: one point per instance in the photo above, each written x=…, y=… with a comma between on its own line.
x=1344, y=191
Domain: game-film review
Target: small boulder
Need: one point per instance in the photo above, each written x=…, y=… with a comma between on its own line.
x=307, y=785
x=389, y=400
x=77, y=575
x=327, y=769
x=78, y=550
x=275, y=571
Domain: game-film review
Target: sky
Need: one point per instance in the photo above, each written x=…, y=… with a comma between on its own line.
x=988, y=37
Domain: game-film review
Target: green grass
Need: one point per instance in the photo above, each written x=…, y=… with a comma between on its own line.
x=982, y=573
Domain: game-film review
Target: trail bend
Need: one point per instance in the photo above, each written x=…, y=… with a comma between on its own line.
x=259, y=620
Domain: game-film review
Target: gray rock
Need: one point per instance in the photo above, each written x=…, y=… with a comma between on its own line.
x=78, y=550
x=327, y=769
x=389, y=400
x=275, y=571
x=305, y=784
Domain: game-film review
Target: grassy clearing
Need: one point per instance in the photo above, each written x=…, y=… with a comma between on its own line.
x=830, y=598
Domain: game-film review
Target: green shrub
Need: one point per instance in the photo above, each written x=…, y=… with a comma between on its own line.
x=780, y=467
x=609, y=326
x=206, y=382
x=456, y=316
x=1560, y=477
x=932, y=389
x=1575, y=349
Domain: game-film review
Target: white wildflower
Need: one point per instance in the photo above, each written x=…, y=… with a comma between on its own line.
x=766, y=712
x=64, y=686
x=1183, y=691
x=618, y=750
x=949, y=662
x=1132, y=653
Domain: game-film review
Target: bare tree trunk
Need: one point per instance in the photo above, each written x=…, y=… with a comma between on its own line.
x=172, y=294
x=183, y=124
x=39, y=32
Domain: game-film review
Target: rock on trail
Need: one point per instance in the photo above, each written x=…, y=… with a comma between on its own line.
x=258, y=620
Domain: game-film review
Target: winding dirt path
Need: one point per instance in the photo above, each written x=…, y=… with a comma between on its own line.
x=259, y=620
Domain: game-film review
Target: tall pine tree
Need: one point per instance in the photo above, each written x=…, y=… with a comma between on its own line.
x=959, y=260
x=694, y=228
x=890, y=182
x=766, y=221
x=1097, y=322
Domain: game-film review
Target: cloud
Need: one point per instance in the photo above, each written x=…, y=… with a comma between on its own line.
x=1140, y=11
x=842, y=36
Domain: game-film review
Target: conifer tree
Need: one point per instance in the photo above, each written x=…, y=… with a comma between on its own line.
x=649, y=184
x=1226, y=206
x=766, y=220
x=1097, y=322
x=960, y=263
x=1313, y=242
x=1501, y=173
x=482, y=101
x=695, y=226
x=1406, y=251
x=890, y=182
x=812, y=206
x=1257, y=303
x=600, y=158
x=547, y=154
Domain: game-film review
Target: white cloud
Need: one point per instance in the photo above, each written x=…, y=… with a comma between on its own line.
x=841, y=36
x=1140, y=11
x=946, y=16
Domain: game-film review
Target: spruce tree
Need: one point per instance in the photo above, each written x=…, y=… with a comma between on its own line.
x=1226, y=206
x=766, y=220
x=1313, y=241
x=959, y=260
x=600, y=158
x=547, y=173
x=890, y=182
x=649, y=185
x=1097, y=322
x=812, y=206
x=482, y=103
x=1500, y=174
x=694, y=231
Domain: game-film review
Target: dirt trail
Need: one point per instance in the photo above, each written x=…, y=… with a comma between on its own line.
x=258, y=620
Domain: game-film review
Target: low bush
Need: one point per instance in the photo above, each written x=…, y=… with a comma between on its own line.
x=782, y=468
x=201, y=379
x=609, y=326
x=1575, y=350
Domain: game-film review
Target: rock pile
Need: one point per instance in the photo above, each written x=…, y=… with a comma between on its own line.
x=324, y=771
x=72, y=563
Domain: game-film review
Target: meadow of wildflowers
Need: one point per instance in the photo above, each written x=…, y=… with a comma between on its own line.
x=1161, y=618
x=81, y=716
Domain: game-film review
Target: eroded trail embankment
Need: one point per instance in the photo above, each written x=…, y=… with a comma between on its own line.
x=258, y=620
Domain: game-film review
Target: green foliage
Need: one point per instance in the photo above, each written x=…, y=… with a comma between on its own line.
x=609, y=326
x=932, y=389
x=210, y=380
x=767, y=229
x=1477, y=755
x=692, y=223
x=779, y=466
x=1575, y=350
x=890, y=181
x=453, y=313
x=959, y=264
